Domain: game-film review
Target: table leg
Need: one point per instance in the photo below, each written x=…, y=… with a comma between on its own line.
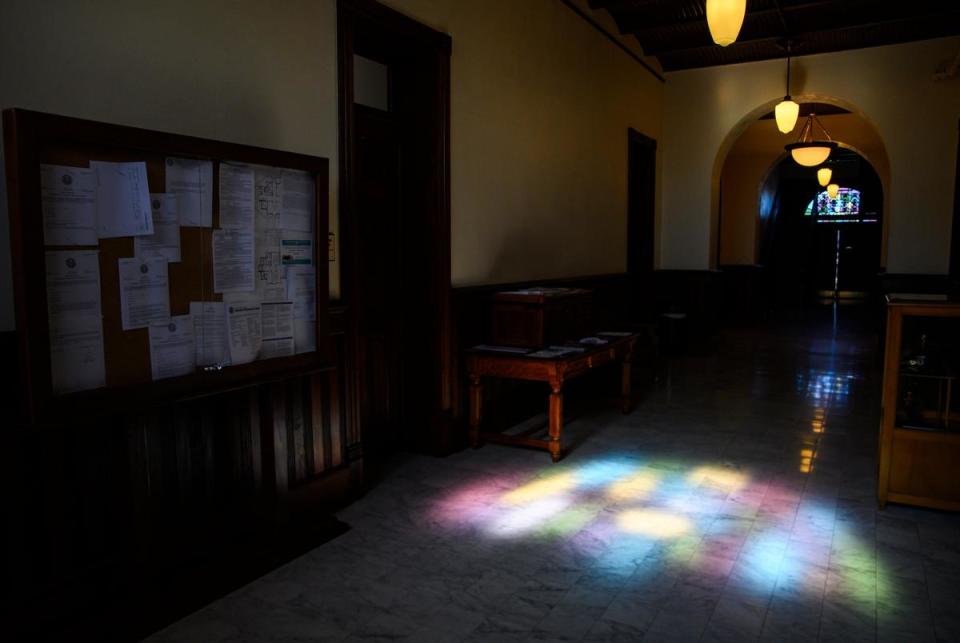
x=556, y=421
x=626, y=402
x=476, y=409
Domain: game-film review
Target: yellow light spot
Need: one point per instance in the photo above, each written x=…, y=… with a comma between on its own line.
x=806, y=460
x=540, y=488
x=727, y=479
x=656, y=524
x=636, y=487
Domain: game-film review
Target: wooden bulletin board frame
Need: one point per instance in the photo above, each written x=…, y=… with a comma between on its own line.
x=33, y=138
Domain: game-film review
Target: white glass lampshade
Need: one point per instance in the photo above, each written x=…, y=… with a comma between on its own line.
x=833, y=190
x=724, y=18
x=824, y=175
x=810, y=154
x=786, y=114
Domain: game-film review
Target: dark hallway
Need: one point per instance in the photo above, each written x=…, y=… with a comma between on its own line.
x=737, y=503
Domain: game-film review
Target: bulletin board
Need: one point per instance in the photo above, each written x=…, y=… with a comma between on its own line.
x=32, y=139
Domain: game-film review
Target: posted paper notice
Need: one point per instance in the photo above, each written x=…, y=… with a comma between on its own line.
x=76, y=325
x=68, y=198
x=144, y=292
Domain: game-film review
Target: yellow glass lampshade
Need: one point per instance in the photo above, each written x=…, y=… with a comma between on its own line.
x=824, y=175
x=833, y=190
x=724, y=18
x=786, y=114
x=810, y=154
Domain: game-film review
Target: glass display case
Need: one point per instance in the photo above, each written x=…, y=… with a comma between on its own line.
x=920, y=425
x=929, y=363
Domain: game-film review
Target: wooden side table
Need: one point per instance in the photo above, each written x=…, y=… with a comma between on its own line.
x=553, y=371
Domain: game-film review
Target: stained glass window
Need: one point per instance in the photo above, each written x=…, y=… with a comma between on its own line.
x=845, y=204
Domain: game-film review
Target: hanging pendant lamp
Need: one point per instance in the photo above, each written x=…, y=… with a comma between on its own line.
x=824, y=175
x=808, y=151
x=833, y=190
x=787, y=110
x=724, y=18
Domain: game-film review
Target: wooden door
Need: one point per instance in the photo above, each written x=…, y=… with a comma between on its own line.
x=379, y=298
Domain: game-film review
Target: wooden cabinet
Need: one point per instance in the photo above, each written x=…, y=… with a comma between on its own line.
x=536, y=317
x=920, y=419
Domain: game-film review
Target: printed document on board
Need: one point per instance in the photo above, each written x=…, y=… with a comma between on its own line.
x=192, y=181
x=123, y=199
x=76, y=325
x=68, y=197
x=171, y=347
x=144, y=291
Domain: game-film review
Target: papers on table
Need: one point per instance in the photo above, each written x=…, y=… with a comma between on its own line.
x=144, y=292
x=165, y=240
x=501, y=349
x=236, y=196
x=233, y=259
x=270, y=278
x=210, y=333
x=276, y=328
x=68, y=197
x=192, y=181
x=302, y=291
x=172, y=347
x=298, y=207
x=123, y=199
x=76, y=326
x=243, y=330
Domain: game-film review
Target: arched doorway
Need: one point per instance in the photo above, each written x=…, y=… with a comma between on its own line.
x=815, y=247
x=749, y=199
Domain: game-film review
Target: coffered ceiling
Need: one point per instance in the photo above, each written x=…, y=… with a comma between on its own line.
x=675, y=31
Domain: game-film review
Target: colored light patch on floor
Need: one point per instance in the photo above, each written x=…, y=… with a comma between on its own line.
x=726, y=479
x=532, y=516
x=634, y=488
x=539, y=489
x=654, y=523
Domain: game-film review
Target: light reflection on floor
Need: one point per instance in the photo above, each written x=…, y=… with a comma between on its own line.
x=684, y=509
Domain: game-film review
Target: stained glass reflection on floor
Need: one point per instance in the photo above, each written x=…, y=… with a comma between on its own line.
x=737, y=502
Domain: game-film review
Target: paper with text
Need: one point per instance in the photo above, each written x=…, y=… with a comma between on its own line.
x=75, y=321
x=68, y=198
x=192, y=181
x=270, y=277
x=276, y=328
x=233, y=261
x=123, y=199
x=165, y=240
x=172, y=352
x=243, y=329
x=298, y=208
x=210, y=332
x=236, y=196
x=268, y=190
x=144, y=292
x=302, y=291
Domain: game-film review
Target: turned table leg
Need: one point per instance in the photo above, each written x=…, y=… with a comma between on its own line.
x=556, y=420
x=476, y=409
x=625, y=387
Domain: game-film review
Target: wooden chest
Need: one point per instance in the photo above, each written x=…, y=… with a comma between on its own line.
x=535, y=317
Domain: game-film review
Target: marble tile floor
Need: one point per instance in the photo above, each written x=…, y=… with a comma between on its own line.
x=736, y=503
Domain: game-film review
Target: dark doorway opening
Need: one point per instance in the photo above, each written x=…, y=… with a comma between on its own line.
x=395, y=223
x=955, y=232
x=641, y=217
x=818, y=249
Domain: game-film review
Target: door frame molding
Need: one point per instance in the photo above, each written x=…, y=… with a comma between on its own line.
x=373, y=16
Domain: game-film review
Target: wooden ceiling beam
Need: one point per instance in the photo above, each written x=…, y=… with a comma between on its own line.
x=762, y=26
x=823, y=41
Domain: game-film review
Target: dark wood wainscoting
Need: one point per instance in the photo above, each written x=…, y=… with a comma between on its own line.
x=151, y=515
